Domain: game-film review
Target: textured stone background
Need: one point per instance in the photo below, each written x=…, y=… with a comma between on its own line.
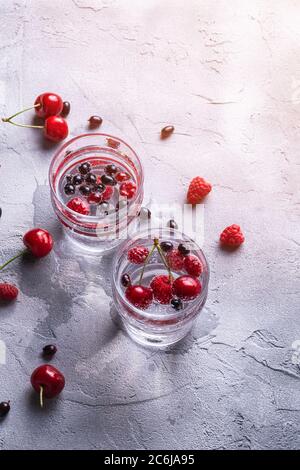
x=227, y=75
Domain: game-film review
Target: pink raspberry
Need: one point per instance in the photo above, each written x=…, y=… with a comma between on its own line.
x=162, y=289
x=138, y=254
x=198, y=189
x=232, y=236
x=175, y=260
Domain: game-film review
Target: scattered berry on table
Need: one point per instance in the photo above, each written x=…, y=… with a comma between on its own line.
x=111, y=169
x=125, y=280
x=56, y=128
x=166, y=246
x=108, y=180
x=79, y=205
x=66, y=109
x=49, y=350
x=145, y=213
x=177, y=304
x=49, y=104
x=8, y=292
x=69, y=189
x=138, y=254
x=84, y=168
x=38, y=241
x=47, y=381
x=85, y=190
x=122, y=176
x=166, y=131
x=175, y=260
x=95, y=122
x=91, y=178
x=128, y=189
x=172, y=224
x=4, y=408
x=198, y=189
x=187, y=287
x=77, y=179
x=139, y=296
x=107, y=193
x=192, y=265
x=183, y=249
x=162, y=289
x=232, y=236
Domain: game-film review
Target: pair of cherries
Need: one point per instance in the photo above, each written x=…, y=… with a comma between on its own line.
x=48, y=106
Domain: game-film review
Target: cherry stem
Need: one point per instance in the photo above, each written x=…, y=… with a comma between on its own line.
x=9, y=119
x=164, y=261
x=147, y=259
x=12, y=259
x=41, y=396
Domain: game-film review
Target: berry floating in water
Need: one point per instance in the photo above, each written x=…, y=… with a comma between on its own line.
x=177, y=304
x=192, y=265
x=107, y=193
x=77, y=179
x=108, y=180
x=111, y=169
x=125, y=280
x=91, y=178
x=139, y=296
x=95, y=122
x=128, y=189
x=49, y=350
x=122, y=176
x=175, y=260
x=69, y=189
x=4, y=408
x=187, y=287
x=162, y=289
x=172, y=224
x=85, y=190
x=84, y=168
x=166, y=246
x=79, y=205
x=138, y=254
x=183, y=249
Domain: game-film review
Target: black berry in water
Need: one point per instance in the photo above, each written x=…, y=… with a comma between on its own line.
x=66, y=109
x=84, y=168
x=177, y=304
x=108, y=180
x=145, y=213
x=172, y=224
x=69, y=178
x=166, y=246
x=183, y=249
x=91, y=178
x=95, y=121
x=111, y=169
x=99, y=188
x=85, y=190
x=69, y=189
x=49, y=350
x=4, y=408
x=125, y=280
x=77, y=179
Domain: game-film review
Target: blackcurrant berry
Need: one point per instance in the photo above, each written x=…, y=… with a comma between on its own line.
x=166, y=246
x=172, y=224
x=99, y=188
x=91, y=178
x=183, y=249
x=69, y=178
x=4, y=408
x=95, y=121
x=77, y=179
x=49, y=350
x=111, y=169
x=108, y=180
x=177, y=304
x=125, y=280
x=69, y=189
x=66, y=109
x=84, y=168
x=85, y=190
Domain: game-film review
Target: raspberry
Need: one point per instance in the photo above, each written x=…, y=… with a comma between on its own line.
x=232, y=236
x=79, y=205
x=175, y=260
x=107, y=193
x=128, y=189
x=8, y=292
x=192, y=265
x=138, y=254
x=162, y=289
x=198, y=189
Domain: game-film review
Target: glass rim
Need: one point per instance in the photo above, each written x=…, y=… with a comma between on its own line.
x=162, y=316
x=92, y=218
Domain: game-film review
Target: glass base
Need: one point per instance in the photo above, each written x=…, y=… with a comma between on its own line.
x=91, y=244
x=158, y=340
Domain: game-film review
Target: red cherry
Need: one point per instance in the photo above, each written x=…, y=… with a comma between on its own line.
x=139, y=296
x=47, y=381
x=79, y=205
x=122, y=176
x=38, y=241
x=50, y=104
x=56, y=128
x=128, y=189
x=187, y=287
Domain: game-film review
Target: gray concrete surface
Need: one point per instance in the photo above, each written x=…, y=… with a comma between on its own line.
x=227, y=75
